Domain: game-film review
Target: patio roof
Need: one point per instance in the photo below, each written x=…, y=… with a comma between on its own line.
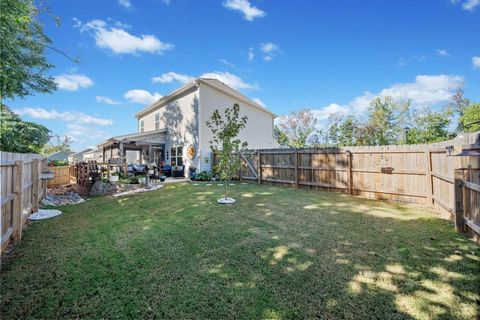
x=153, y=138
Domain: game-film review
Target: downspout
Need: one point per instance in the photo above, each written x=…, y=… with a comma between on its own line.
x=199, y=127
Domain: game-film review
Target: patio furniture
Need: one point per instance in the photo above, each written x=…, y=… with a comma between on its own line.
x=166, y=170
x=178, y=171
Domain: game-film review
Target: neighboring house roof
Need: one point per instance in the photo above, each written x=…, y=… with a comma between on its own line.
x=217, y=84
x=80, y=153
x=59, y=155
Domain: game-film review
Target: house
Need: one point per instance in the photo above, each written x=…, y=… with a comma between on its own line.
x=78, y=157
x=91, y=155
x=58, y=156
x=173, y=129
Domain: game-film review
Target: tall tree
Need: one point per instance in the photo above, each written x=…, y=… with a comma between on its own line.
x=280, y=136
x=298, y=126
x=20, y=136
x=56, y=144
x=470, y=119
x=459, y=104
x=23, y=65
x=348, y=132
x=385, y=121
x=430, y=126
x=225, y=141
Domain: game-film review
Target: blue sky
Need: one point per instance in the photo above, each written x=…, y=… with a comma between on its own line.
x=330, y=56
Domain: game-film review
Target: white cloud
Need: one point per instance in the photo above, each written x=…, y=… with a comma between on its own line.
x=73, y=82
x=68, y=116
x=76, y=23
x=333, y=108
x=141, y=96
x=259, y=102
x=226, y=77
x=245, y=7
x=171, y=76
x=125, y=3
x=251, y=54
x=443, y=52
x=229, y=79
x=81, y=134
x=228, y=63
x=405, y=61
x=470, y=4
x=269, y=49
x=120, y=41
x=106, y=100
x=426, y=91
x=476, y=62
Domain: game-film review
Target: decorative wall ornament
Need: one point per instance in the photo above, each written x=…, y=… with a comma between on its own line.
x=191, y=152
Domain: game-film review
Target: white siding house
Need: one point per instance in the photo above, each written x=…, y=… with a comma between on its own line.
x=178, y=120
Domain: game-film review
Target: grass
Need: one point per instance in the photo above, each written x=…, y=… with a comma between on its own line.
x=279, y=253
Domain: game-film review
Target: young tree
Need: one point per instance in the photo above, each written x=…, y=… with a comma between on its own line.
x=23, y=65
x=225, y=142
x=20, y=136
x=298, y=126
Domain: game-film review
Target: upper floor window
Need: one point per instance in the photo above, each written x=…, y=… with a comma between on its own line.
x=142, y=125
x=157, y=121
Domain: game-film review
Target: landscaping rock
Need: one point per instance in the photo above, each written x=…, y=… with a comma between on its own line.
x=44, y=214
x=101, y=188
x=62, y=195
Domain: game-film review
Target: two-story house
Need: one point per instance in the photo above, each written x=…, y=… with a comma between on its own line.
x=173, y=129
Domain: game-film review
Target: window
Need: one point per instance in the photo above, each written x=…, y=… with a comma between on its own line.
x=142, y=125
x=157, y=121
x=176, y=156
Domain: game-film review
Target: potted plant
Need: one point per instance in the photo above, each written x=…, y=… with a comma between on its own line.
x=114, y=177
x=142, y=179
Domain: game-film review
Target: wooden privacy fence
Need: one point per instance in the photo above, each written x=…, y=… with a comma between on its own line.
x=21, y=191
x=420, y=174
x=61, y=175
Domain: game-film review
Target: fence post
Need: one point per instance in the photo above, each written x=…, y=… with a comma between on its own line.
x=35, y=187
x=458, y=200
x=44, y=182
x=349, y=172
x=17, y=200
x=259, y=166
x=296, y=167
x=428, y=175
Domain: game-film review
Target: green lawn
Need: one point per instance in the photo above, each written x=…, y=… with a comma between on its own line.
x=279, y=253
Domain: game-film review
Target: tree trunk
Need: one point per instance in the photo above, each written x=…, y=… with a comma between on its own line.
x=225, y=182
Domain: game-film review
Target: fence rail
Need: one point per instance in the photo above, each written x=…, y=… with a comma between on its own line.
x=419, y=174
x=21, y=192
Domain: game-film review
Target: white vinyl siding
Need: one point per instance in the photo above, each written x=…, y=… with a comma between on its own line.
x=258, y=132
x=157, y=121
x=142, y=125
x=179, y=118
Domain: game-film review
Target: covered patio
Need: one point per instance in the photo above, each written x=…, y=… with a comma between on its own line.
x=140, y=148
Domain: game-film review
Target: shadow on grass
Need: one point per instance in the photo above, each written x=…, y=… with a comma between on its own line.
x=278, y=253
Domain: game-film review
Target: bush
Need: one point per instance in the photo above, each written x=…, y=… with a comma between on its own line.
x=57, y=163
x=204, y=176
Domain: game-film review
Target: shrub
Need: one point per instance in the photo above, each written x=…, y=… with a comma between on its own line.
x=204, y=176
